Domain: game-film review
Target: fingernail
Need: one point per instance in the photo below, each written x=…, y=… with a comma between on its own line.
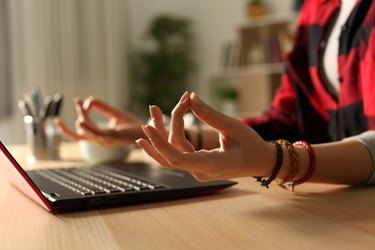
x=87, y=101
x=145, y=129
x=184, y=97
x=151, y=111
x=137, y=141
x=195, y=99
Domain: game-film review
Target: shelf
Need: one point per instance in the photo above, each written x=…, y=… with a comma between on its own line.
x=266, y=68
x=253, y=64
x=269, y=20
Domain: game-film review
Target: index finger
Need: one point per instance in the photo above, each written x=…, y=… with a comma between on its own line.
x=177, y=127
x=107, y=110
x=186, y=160
x=219, y=121
x=69, y=132
x=81, y=112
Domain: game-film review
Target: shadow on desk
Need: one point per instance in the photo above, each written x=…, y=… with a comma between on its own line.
x=229, y=193
x=320, y=214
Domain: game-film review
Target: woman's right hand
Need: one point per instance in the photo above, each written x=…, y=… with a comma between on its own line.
x=242, y=152
x=121, y=129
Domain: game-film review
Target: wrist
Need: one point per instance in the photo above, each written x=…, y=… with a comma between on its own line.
x=266, y=160
x=286, y=165
x=303, y=157
x=295, y=163
x=266, y=181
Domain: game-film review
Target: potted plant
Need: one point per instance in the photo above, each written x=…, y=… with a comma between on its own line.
x=256, y=8
x=228, y=97
x=160, y=71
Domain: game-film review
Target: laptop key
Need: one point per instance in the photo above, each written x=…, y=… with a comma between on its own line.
x=65, y=182
x=98, y=192
x=120, y=180
x=85, y=193
x=92, y=181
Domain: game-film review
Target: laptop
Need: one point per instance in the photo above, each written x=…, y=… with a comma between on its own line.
x=112, y=184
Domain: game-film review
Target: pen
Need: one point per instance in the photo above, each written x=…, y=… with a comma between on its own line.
x=37, y=98
x=29, y=103
x=47, y=107
x=57, y=99
x=24, y=107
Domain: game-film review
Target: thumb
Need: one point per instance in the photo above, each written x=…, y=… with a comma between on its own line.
x=224, y=124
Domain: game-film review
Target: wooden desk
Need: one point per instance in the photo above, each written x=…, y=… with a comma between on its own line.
x=245, y=216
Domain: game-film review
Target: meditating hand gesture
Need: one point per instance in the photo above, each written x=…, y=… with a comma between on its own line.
x=122, y=128
x=242, y=152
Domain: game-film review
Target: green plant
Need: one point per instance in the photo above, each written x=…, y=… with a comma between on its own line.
x=227, y=93
x=160, y=72
x=255, y=2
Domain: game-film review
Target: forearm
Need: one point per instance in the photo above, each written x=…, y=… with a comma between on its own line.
x=342, y=162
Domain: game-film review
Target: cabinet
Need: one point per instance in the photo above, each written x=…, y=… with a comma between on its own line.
x=253, y=66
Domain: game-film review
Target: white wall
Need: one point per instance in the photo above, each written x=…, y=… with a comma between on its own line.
x=214, y=21
x=76, y=48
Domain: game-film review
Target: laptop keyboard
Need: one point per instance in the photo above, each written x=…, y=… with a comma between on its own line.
x=93, y=181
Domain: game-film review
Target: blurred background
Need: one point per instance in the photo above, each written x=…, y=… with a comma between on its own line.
x=132, y=53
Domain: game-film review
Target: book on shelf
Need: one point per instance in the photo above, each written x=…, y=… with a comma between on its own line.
x=274, y=53
x=229, y=55
x=277, y=45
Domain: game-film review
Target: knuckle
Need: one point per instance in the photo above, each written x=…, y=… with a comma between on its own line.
x=177, y=111
x=175, y=140
x=176, y=162
x=174, y=112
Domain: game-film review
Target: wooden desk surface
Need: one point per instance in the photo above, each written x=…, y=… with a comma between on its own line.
x=245, y=216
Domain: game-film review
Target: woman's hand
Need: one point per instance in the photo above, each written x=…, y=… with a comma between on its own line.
x=122, y=128
x=242, y=151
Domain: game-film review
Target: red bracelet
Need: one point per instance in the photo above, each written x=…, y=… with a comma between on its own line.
x=312, y=162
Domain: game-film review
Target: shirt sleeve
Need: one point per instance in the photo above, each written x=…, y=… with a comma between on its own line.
x=368, y=139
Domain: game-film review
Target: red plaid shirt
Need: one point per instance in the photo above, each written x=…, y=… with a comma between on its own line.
x=305, y=107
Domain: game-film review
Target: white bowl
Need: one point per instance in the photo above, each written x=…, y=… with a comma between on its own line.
x=95, y=153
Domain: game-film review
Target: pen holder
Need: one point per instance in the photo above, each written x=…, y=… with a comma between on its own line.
x=43, y=138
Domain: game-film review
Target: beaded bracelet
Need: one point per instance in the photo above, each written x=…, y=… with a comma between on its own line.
x=312, y=162
x=279, y=159
x=294, y=162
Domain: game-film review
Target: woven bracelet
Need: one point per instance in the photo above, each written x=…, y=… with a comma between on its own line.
x=265, y=182
x=294, y=162
x=312, y=162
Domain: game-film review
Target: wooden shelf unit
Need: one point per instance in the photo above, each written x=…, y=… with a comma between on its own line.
x=262, y=44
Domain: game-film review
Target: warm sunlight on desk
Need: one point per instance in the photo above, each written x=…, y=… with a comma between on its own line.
x=245, y=216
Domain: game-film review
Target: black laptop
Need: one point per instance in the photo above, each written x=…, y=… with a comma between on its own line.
x=101, y=185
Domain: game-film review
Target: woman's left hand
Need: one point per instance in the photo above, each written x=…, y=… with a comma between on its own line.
x=121, y=129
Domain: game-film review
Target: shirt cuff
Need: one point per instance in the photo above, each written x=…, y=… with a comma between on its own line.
x=368, y=139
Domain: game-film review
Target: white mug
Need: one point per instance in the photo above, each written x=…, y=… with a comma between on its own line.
x=95, y=153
